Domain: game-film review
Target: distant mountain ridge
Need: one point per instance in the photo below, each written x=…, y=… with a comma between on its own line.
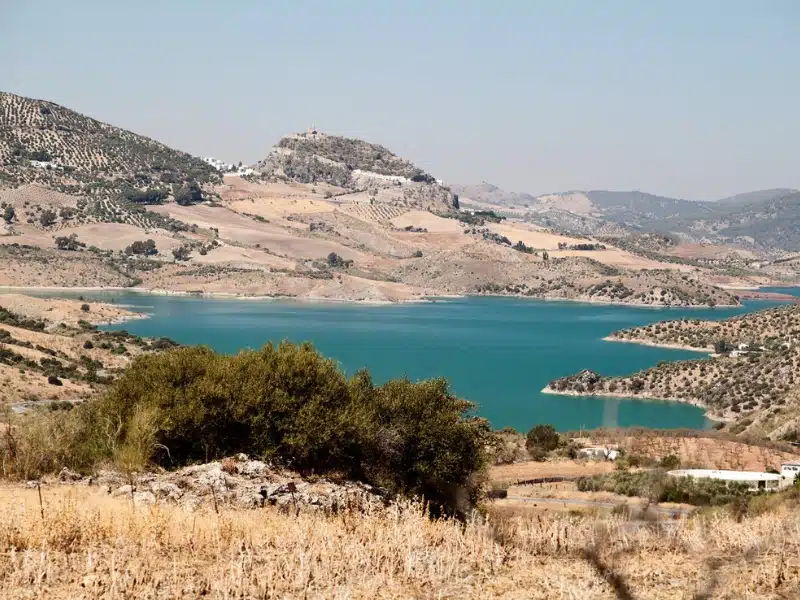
x=763, y=219
x=491, y=194
x=757, y=196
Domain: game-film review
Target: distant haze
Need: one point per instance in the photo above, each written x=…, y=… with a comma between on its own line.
x=681, y=99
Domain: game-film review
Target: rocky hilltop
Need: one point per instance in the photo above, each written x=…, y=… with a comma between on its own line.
x=354, y=165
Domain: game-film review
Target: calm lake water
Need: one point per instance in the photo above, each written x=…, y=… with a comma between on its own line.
x=497, y=352
x=791, y=291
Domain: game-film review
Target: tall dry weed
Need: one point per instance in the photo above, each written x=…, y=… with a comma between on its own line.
x=92, y=545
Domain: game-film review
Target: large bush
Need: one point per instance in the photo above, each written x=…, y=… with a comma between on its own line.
x=543, y=438
x=290, y=405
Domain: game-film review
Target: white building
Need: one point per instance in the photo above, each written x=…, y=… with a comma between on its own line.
x=219, y=165
x=755, y=480
x=790, y=469
x=599, y=452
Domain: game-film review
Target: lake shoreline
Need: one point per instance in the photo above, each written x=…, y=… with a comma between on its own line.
x=224, y=295
x=600, y=302
x=496, y=352
x=354, y=301
x=708, y=351
x=627, y=395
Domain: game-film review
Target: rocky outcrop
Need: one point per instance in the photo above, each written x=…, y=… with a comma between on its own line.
x=585, y=382
x=238, y=482
x=356, y=166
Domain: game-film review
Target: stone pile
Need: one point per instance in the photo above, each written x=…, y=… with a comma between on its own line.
x=235, y=482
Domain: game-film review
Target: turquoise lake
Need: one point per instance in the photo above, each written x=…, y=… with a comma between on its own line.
x=497, y=352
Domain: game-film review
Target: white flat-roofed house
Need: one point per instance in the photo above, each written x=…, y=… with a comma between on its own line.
x=790, y=470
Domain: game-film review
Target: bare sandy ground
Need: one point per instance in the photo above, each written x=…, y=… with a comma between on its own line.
x=106, y=236
x=62, y=310
x=533, y=236
x=429, y=221
x=562, y=468
x=342, y=287
x=277, y=227
x=620, y=258
x=22, y=382
x=36, y=195
x=244, y=257
x=700, y=452
x=248, y=231
x=70, y=346
x=708, y=251
x=237, y=188
x=546, y=240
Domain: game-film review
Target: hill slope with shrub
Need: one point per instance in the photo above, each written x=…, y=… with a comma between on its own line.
x=752, y=383
x=43, y=142
x=285, y=404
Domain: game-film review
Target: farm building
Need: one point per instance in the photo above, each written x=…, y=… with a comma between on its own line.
x=755, y=480
x=790, y=469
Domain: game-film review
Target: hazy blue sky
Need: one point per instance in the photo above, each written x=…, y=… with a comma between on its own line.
x=698, y=99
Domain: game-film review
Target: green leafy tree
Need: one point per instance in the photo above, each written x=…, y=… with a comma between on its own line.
x=542, y=438
x=292, y=406
x=66, y=213
x=69, y=243
x=145, y=248
x=189, y=194
x=9, y=214
x=47, y=218
x=723, y=347
x=182, y=253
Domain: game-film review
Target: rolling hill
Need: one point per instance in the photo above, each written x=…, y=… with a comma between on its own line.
x=758, y=196
x=42, y=142
x=354, y=166
x=765, y=221
x=85, y=203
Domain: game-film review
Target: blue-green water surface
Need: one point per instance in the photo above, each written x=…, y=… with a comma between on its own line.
x=497, y=352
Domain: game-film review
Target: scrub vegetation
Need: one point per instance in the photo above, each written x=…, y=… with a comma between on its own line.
x=285, y=404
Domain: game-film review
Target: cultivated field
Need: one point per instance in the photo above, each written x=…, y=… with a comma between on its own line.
x=79, y=542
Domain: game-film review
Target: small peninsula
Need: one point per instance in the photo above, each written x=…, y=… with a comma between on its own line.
x=751, y=382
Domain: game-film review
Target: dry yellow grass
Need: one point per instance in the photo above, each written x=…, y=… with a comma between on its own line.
x=83, y=544
x=531, y=469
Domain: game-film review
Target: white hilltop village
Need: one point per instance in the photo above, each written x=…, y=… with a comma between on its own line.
x=228, y=168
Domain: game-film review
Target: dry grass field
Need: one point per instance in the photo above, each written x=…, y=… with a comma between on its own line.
x=81, y=543
x=526, y=470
